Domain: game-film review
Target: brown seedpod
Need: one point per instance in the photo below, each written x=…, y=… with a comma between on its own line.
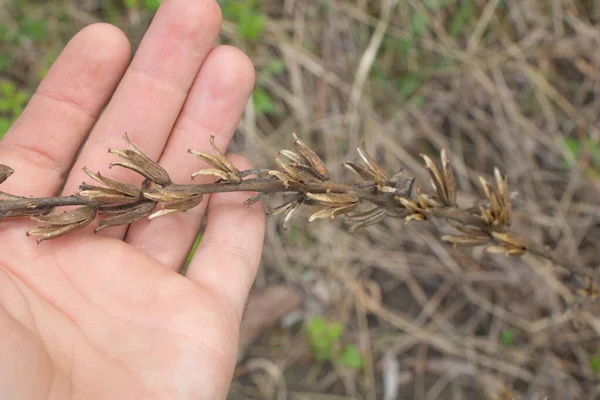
x=59, y=224
x=126, y=214
x=223, y=168
x=5, y=172
x=311, y=158
x=135, y=160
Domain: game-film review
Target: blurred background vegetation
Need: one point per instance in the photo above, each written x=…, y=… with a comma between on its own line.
x=390, y=312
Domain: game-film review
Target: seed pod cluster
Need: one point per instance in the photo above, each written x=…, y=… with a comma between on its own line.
x=113, y=192
x=373, y=175
x=509, y=244
x=364, y=218
x=124, y=214
x=499, y=211
x=333, y=204
x=305, y=166
x=173, y=199
x=222, y=167
x=442, y=180
x=59, y=224
x=289, y=209
x=135, y=160
x=444, y=184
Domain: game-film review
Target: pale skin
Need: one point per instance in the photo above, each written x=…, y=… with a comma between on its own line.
x=107, y=315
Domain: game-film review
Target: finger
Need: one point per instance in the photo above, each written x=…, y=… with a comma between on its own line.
x=153, y=90
x=42, y=144
x=213, y=107
x=228, y=256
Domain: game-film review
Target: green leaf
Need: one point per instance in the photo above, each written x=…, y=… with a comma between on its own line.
x=4, y=125
x=190, y=255
x=436, y=5
x=250, y=26
x=419, y=23
x=316, y=327
x=461, y=18
x=572, y=146
x=409, y=84
x=231, y=10
x=576, y=150
x=111, y=12
x=6, y=35
x=6, y=62
x=318, y=334
x=419, y=101
x=152, y=5
x=403, y=46
x=594, y=150
x=275, y=67
x=350, y=357
x=36, y=30
x=334, y=331
x=595, y=363
x=323, y=350
x=18, y=103
x=7, y=88
x=262, y=101
x=508, y=337
x=130, y=4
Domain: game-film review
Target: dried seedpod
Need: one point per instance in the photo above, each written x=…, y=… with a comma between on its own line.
x=125, y=214
x=113, y=192
x=174, y=199
x=223, y=168
x=417, y=213
x=287, y=173
x=443, y=181
x=365, y=218
x=449, y=179
x=135, y=160
x=5, y=172
x=466, y=240
x=178, y=206
x=58, y=225
x=467, y=229
x=313, y=161
x=289, y=209
x=377, y=172
x=499, y=210
x=334, y=203
x=360, y=170
x=376, y=178
x=368, y=169
x=305, y=167
x=509, y=244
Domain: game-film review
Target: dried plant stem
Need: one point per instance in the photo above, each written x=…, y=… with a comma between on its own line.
x=267, y=186
x=532, y=247
x=307, y=178
x=40, y=204
x=541, y=251
x=260, y=185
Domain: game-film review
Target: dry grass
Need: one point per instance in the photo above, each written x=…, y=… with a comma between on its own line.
x=505, y=89
x=505, y=86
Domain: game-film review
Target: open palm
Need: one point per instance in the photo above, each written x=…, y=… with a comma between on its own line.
x=107, y=315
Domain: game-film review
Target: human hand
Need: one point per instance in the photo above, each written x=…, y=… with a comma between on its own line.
x=106, y=315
